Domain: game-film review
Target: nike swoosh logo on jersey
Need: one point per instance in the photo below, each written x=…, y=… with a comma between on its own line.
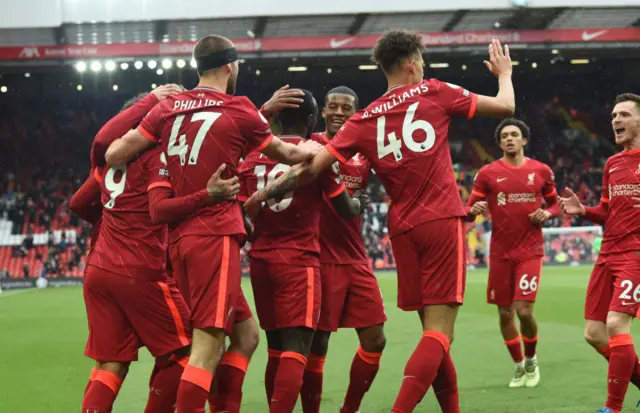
x=339, y=43
x=625, y=303
x=612, y=169
x=501, y=179
x=527, y=292
x=590, y=36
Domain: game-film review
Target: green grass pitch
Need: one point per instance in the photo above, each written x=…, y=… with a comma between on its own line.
x=43, y=332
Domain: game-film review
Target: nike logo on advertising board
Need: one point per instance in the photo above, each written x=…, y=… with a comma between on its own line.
x=586, y=36
x=339, y=43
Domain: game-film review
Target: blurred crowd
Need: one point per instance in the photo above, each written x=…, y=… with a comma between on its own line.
x=45, y=159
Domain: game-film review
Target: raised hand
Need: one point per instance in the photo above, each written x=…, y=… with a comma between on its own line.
x=164, y=91
x=499, y=61
x=283, y=98
x=221, y=190
x=571, y=204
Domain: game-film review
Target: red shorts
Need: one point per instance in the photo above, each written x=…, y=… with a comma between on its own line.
x=125, y=314
x=614, y=286
x=431, y=262
x=286, y=295
x=242, y=310
x=351, y=297
x=207, y=271
x=513, y=280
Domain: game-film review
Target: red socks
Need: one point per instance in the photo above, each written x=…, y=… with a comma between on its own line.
x=530, y=346
x=102, y=392
x=622, y=363
x=287, y=383
x=270, y=373
x=445, y=386
x=193, y=390
x=635, y=379
x=421, y=370
x=230, y=377
x=92, y=376
x=363, y=370
x=515, y=349
x=311, y=392
x=163, y=389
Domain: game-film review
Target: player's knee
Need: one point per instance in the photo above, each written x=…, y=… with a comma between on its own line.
x=618, y=323
x=374, y=343
x=320, y=344
x=596, y=337
x=248, y=341
x=525, y=313
x=506, y=315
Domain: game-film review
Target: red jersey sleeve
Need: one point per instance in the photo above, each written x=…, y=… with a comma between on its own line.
x=156, y=168
x=252, y=126
x=330, y=184
x=85, y=203
x=605, y=184
x=549, y=192
x=480, y=186
x=344, y=145
x=455, y=100
x=151, y=125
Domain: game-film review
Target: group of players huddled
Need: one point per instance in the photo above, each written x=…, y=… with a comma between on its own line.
x=181, y=179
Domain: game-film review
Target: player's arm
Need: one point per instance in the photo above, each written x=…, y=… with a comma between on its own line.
x=297, y=176
x=85, y=203
x=282, y=98
x=119, y=125
x=571, y=205
x=504, y=103
x=126, y=148
x=477, y=204
x=289, y=153
x=346, y=206
x=165, y=209
x=550, y=196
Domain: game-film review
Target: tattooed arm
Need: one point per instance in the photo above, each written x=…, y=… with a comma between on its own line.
x=297, y=176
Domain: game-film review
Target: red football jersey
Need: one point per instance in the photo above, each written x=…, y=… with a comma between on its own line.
x=199, y=130
x=621, y=182
x=512, y=194
x=287, y=231
x=344, y=245
x=130, y=243
x=404, y=134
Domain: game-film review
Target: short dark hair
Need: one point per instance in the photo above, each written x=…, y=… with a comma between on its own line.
x=299, y=115
x=396, y=45
x=628, y=97
x=132, y=101
x=343, y=90
x=524, y=128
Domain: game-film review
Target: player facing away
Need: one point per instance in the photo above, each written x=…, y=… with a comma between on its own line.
x=613, y=294
x=513, y=187
x=350, y=292
x=404, y=134
x=200, y=130
x=285, y=261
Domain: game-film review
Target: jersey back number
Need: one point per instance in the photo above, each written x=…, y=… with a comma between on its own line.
x=178, y=142
x=409, y=127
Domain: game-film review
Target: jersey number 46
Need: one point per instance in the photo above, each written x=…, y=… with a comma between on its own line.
x=409, y=127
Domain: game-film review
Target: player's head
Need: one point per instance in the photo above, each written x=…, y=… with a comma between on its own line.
x=132, y=101
x=399, y=54
x=340, y=103
x=300, y=121
x=625, y=118
x=512, y=135
x=216, y=57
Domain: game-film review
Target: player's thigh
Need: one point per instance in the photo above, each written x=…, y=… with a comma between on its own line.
x=297, y=295
x=213, y=270
x=364, y=306
x=599, y=293
x=500, y=288
x=431, y=263
x=527, y=274
x=179, y=271
x=159, y=316
x=111, y=336
x=625, y=281
x=263, y=294
x=334, y=294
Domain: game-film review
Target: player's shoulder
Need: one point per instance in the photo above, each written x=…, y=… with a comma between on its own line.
x=241, y=103
x=614, y=158
x=155, y=154
x=320, y=138
x=490, y=167
x=541, y=166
